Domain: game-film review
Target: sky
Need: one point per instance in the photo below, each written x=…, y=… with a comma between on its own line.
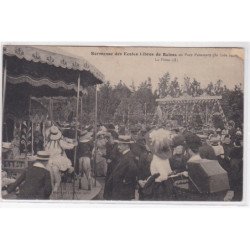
x=136, y=64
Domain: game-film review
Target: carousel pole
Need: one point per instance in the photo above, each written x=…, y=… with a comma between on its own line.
x=4, y=81
x=3, y=96
x=52, y=107
x=81, y=113
x=77, y=111
x=32, y=136
x=95, y=129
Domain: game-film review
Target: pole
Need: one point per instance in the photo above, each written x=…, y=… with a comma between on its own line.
x=95, y=129
x=128, y=115
x=30, y=119
x=77, y=111
x=3, y=96
x=52, y=107
x=81, y=113
x=32, y=138
x=4, y=81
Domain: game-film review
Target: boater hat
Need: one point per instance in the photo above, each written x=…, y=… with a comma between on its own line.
x=6, y=145
x=55, y=133
x=124, y=139
x=43, y=155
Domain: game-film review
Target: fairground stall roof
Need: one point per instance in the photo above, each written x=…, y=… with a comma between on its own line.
x=188, y=98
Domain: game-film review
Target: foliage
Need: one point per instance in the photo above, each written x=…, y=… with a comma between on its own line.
x=137, y=103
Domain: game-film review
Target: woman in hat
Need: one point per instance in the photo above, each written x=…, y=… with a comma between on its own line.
x=58, y=162
x=35, y=180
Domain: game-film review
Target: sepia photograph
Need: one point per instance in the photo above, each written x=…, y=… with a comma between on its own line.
x=122, y=123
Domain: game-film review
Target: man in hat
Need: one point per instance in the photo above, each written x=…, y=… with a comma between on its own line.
x=236, y=168
x=35, y=180
x=206, y=151
x=124, y=174
x=218, y=148
x=193, y=143
x=178, y=161
x=112, y=156
x=136, y=149
x=6, y=150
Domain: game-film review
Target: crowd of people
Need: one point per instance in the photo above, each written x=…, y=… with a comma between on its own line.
x=137, y=162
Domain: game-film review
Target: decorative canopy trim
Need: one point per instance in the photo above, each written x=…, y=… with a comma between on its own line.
x=38, y=99
x=189, y=99
x=51, y=58
x=41, y=82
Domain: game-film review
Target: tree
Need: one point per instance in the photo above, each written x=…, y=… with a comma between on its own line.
x=164, y=85
x=187, y=83
x=174, y=89
x=232, y=104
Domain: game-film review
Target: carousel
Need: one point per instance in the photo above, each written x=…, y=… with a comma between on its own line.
x=35, y=81
x=186, y=110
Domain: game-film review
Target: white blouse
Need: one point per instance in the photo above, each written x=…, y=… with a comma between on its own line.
x=160, y=166
x=58, y=147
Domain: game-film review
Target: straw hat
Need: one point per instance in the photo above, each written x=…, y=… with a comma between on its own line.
x=42, y=155
x=124, y=139
x=55, y=133
x=6, y=145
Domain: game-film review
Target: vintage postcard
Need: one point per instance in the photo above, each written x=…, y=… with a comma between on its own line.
x=122, y=123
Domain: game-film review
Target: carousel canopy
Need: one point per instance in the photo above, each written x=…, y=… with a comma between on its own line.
x=41, y=68
x=32, y=71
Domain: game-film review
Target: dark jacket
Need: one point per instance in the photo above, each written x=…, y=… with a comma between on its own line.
x=34, y=183
x=124, y=178
x=178, y=163
x=113, y=155
x=84, y=149
x=145, y=159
